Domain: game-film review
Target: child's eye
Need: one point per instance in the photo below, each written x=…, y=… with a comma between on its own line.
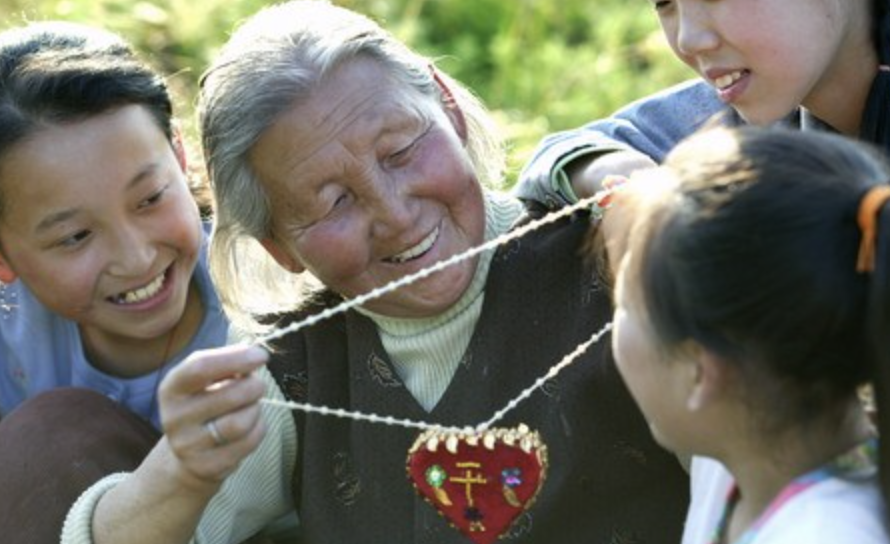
x=662, y=5
x=74, y=239
x=154, y=198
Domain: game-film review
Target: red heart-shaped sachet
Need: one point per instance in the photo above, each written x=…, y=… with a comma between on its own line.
x=480, y=482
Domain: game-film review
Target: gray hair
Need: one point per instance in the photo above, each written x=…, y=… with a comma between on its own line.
x=270, y=64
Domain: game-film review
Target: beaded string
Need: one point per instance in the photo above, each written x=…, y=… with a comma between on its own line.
x=412, y=424
x=420, y=274
x=583, y=204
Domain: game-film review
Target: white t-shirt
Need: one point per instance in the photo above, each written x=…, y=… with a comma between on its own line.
x=831, y=510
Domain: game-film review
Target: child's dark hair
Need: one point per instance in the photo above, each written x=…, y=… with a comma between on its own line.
x=754, y=257
x=57, y=72
x=881, y=28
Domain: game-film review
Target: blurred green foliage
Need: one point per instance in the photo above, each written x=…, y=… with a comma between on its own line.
x=540, y=65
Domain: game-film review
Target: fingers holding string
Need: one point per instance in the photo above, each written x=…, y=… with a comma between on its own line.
x=210, y=408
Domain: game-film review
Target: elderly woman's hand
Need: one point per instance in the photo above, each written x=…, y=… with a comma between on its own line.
x=210, y=411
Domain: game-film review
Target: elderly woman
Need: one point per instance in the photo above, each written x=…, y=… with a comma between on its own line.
x=342, y=161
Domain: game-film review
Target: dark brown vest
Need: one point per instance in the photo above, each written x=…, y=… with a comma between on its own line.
x=608, y=482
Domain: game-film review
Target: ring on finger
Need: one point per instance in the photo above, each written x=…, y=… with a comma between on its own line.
x=213, y=430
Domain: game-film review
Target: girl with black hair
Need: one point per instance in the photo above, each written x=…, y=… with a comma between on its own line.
x=752, y=306
x=105, y=285
x=808, y=64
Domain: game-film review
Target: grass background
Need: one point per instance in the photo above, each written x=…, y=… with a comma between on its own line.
x=540, y=65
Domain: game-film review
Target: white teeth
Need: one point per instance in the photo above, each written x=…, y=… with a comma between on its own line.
x=143, y=293
x=725, y=81
x=417, y=250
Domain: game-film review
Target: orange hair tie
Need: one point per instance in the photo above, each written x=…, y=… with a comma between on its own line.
x=871, y=203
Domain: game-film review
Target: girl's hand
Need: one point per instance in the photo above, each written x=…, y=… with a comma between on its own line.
x=616, y=227
x=210, y=411
x=587, y=173
x=616, y=206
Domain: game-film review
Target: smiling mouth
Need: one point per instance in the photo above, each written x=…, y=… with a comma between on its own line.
x=142, y=294
x=416, y=251
x=727, y=80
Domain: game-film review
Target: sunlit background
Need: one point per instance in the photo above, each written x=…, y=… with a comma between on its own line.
x=540, y=65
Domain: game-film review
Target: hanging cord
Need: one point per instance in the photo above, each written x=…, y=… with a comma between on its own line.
x=411, y=424
x=583, y=204
x=420, y=274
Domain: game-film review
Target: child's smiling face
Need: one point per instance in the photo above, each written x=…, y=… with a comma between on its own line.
x=99, y=222
x=766, y=57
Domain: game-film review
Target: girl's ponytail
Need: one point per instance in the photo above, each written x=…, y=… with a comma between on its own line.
x=878, y=337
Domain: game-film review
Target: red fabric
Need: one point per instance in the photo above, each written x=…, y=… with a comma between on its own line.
x=481, y=491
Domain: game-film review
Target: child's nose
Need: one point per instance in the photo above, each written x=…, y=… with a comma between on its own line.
x=132, y=252
x=695, y=31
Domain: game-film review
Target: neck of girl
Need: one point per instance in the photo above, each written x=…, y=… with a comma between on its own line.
x=840, y=97
x=771, y=463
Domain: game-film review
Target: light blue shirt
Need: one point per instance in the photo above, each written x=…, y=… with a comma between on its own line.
x=39, y=350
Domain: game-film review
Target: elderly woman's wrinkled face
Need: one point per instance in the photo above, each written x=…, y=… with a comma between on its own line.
x=369, y=181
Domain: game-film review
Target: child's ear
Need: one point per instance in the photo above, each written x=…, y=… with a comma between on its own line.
x=179, y=149
x=709, y=377
x=452, y=109
x=7, y=274
x=282, y=256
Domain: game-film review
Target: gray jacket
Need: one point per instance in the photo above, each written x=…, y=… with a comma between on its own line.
x=652, y=125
